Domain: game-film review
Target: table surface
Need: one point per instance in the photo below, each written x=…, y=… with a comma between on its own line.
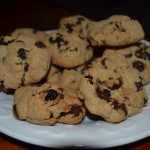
x=42, y=17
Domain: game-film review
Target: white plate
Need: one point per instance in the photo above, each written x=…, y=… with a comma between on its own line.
x=95, y=134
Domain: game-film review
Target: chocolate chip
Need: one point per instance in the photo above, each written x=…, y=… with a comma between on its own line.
x=76, y=110
x=59, y=40
x=86, y=67
x=142, y=53
x=2, y=42
x=40, y=44
x=121, y=106
x=26, y=67
x=22, y=53
x=79, y=20
x=117, y=86
x=103, y=94
x=119, y=27
x=138, y=65
x=51, y=116
x=139, y=86
x=69, y=27
x=90, y=78
x=51, y=95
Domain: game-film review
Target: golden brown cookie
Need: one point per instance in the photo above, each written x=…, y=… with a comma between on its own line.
x=23, y=61
x=68, y=50
x=117, y=30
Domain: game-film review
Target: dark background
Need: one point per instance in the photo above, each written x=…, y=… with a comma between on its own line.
x=45, y=14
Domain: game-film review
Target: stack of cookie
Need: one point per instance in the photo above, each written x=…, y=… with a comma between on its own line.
x=56, y=78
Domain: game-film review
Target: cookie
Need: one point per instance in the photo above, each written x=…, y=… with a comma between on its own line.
x=23, y=61
x=76, y=23
x=47, y=104
x=117, y=30
x=30, y=32
x=109, y=92
x=77, y=110
x=68, y=50
x=111, y=60
x=136, y=55
x=69, y=76
x=53, y=75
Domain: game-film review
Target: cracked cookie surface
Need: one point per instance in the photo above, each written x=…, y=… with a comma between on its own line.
x=48, y=104
x=117, y=30
x=23, y=60
x=68, y=50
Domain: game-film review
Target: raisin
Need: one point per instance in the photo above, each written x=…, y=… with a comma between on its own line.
x=76, y=110
x=138, y=65
x=121, y=106
x=142, y=53
x=139, y=85
x=26, y=67
x=40, y=44
x=2, y=42
x=69, y=27
x=117, y=86
x=59, y=40
x=103, y=94
x=22, y=53
x=51, y=95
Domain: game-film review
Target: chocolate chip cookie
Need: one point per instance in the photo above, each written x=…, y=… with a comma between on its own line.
x=137, y=56
x=68, y=50
x=109, y=92
x=30, y=32
x=117, y=30
x=23, y=60
x=76, y=23
x=47, y=104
